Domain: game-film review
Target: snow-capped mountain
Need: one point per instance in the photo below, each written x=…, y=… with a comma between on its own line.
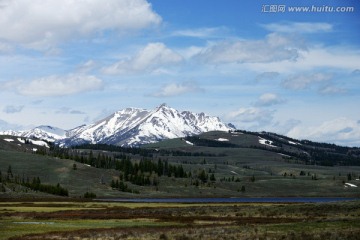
x=131, y=127
x=135, y=126
x=47, y=133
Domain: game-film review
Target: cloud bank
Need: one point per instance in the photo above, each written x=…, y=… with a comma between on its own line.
x=152, y=57
x=54, y=85
x=41, y=24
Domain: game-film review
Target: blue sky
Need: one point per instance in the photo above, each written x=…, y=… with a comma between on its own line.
x=66, y=63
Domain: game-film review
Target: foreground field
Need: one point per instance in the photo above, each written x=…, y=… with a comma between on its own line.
x=94, y=220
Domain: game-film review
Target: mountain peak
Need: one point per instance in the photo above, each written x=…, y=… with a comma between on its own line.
x=162, y=106
x=132, y=127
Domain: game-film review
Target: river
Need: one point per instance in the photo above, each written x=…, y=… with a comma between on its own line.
x=232, y=200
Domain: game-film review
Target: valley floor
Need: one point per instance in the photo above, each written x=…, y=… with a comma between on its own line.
x=104, y=220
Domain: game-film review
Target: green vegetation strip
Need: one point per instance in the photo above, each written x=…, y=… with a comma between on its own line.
x=63, y=206
x=45, y=207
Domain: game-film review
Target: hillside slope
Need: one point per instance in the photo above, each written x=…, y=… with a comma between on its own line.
x=214, y=164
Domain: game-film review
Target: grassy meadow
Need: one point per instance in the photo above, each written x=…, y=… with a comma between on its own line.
x=242, y=171
x=100, y=220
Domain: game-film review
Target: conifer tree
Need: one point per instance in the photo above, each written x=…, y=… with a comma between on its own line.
x=9, y=172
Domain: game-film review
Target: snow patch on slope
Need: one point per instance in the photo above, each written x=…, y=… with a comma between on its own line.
x=266, y=142
x=39, y=143
x=294, y=143
x=8, y=140
x=350, y=185
x=222, y=140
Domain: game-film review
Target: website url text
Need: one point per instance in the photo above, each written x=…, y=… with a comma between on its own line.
x=303, y=9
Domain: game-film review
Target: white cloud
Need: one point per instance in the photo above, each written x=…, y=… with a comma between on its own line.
x=334, y=57
x=269, y=99
x=188, y=53
x=36, y=102
x=5, y=47
x=86, y=67
x=66, y=110
x=55, y=85
x=149, y=59
x=202, y=32
x=331, y=90
x=302, y=81
x=273, y=48
x=175, y=89
x=266, y=76
x=342, y=130
x=285, y=127
x=313, y=58
x=251, y=118
x=42, y=24
x=298, y=27
x=13, y=109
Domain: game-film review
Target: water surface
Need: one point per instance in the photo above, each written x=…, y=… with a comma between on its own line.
x=232, y=200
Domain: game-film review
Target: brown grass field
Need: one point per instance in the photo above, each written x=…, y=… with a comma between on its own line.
x=101, y=220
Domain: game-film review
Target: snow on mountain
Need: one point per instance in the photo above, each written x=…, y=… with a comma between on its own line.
x=120, y=121
x=47, y=133
x=11, y=133
x=130, y=127
x=39, y=143
x=135, y=126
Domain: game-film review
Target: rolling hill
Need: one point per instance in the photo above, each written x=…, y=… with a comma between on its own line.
x=212, y=164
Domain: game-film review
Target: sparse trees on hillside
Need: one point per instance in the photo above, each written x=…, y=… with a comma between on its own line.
x=212, y=178
x=252, y=179
x=203, y=177
x=349, y=177
x=89, y=195
x=9, y=172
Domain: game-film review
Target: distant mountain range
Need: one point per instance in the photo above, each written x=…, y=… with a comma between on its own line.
x=130, y=127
